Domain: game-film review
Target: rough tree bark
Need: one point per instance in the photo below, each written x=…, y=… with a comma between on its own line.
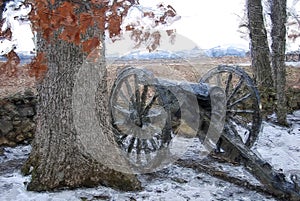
x=278, y=34
x=260, y=53
x=58, y=159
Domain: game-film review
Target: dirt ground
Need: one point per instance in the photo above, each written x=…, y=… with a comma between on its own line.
x=189, y=70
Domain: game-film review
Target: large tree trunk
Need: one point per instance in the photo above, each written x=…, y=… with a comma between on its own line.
x=260, y=53
x=278, y=34
x=67, y=150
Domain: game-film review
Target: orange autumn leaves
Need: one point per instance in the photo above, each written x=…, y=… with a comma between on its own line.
x=65, y=18
x=72, y=26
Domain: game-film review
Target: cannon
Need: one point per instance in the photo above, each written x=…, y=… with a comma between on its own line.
x=148, y=111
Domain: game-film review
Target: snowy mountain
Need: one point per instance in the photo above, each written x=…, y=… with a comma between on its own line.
x=218, y=51
x=144, y=55
x=230, y=50
x=25, y=57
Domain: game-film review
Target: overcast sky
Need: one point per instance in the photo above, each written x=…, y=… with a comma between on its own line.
x=203, y=23
x=207, y=23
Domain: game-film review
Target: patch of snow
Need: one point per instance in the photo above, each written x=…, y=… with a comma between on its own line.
x=181, y=184
x=280, y=145
x=6, y=46
x=19, y=152
x=136, y=18
x=293, y=64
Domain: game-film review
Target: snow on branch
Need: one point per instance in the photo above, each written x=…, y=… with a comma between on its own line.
x=15, y=14
x=145, y=24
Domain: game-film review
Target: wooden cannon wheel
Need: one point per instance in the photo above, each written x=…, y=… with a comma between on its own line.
x=243, y=117
x=141, y=117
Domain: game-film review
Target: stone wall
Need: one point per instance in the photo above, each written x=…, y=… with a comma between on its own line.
x=17, y=118
x=293, y=99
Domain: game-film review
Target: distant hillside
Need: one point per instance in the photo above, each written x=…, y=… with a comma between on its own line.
x=219, y=51
x=25, y=58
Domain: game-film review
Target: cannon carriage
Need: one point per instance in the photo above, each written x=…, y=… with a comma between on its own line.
x=223, y=110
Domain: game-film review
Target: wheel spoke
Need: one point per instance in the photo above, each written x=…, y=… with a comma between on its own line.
x=124, y=137
x=137, y=94
x=153, y=144
x=123, y=97
x=131, y=144
x=145, y=146
x=228, y=84
x=147, y=154
x=239, y=100
x=123, y=110
x=158, y=138
x=238, y=86
x=144, y=96
x=138, y=146
x=241, y=111
x=149, y=105
x=218, y=80
x=121, y=139
x=128, y=87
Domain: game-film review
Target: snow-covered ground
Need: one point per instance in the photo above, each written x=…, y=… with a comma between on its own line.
x=281, y=146
x=277, y=145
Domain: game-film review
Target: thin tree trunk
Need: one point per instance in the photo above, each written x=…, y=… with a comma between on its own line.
x=59, y=157
x=260, y=53
x=278, y=34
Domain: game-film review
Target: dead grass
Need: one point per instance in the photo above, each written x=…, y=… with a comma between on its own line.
x=18, y=82
x=189, y=70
